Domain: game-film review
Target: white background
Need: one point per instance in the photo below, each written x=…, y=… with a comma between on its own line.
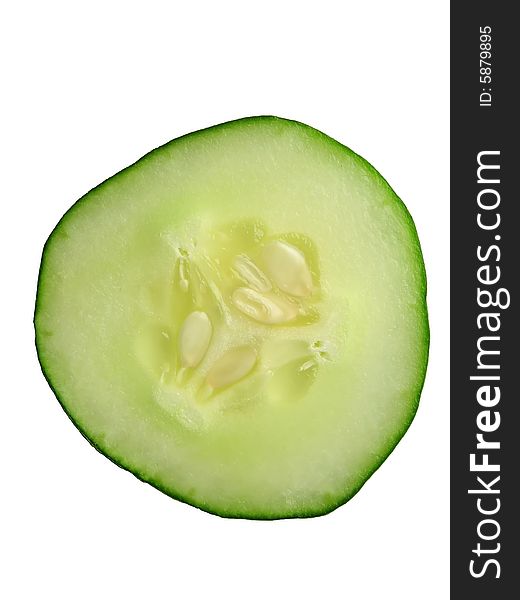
x=87, y=89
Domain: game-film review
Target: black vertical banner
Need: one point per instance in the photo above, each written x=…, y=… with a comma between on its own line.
x=485, y=269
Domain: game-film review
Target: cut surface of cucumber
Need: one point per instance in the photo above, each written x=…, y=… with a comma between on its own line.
x=239, y=319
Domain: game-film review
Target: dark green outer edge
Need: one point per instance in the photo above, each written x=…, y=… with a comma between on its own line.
x=302, y=514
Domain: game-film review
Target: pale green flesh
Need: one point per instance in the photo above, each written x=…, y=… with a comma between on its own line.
x=281, y=442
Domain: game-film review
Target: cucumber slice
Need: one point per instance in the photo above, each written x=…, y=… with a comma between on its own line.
x=239, y=319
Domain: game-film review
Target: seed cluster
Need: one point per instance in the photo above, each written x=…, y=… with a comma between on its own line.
x=271, y=285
